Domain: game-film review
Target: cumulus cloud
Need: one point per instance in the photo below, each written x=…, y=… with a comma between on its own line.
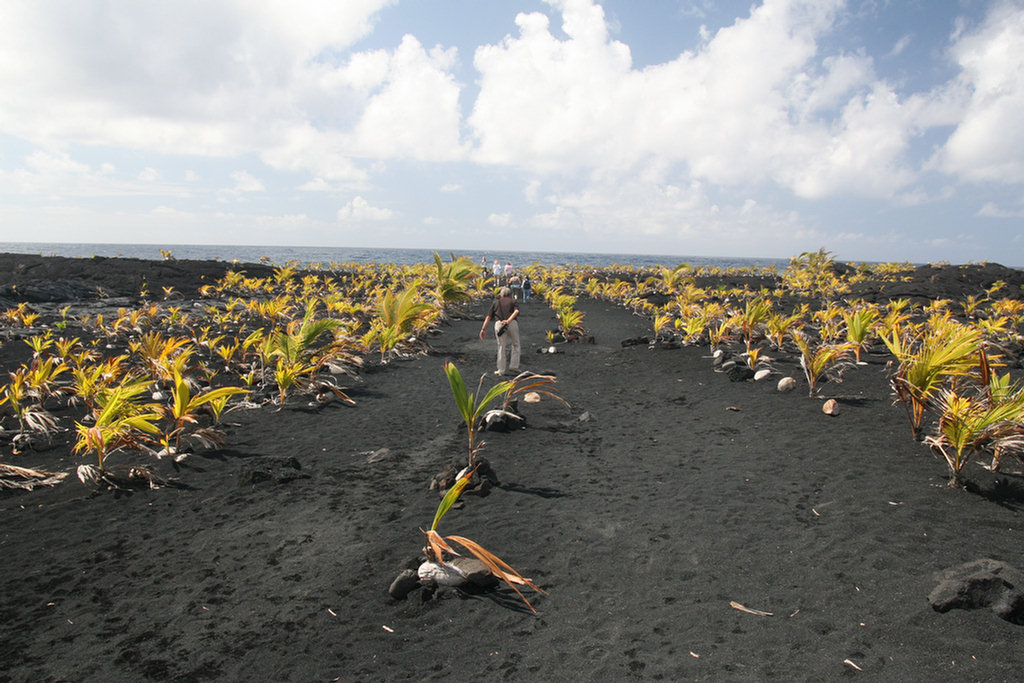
x=755, y=102
x=987, y=141
x=559, y=122
x=360, y=211
x=414, y=111
x=262, y=79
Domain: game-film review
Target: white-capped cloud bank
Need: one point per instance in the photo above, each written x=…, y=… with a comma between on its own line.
x=757, y=138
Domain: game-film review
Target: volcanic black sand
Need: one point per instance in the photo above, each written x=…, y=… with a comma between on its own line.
x=665, y=497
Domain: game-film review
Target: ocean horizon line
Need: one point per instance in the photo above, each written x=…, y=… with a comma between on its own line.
x=281, y=254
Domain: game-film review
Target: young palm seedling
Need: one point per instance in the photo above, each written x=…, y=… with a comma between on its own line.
x=398, y=316
x=662, y=321
x=120, y=422
x=778, y=326
x=927, y=361
x=754, y=316
x=439, y=569
x=967, y=424
x=183, y=411
x=821, y=361
x=453, y=282
x=860, y=325
x=527, y=382
x=471, y=407
x=32, y=417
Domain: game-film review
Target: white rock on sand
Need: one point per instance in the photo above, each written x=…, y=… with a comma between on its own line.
x=787, y=384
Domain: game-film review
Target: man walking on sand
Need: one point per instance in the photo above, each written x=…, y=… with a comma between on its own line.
x=504, y=312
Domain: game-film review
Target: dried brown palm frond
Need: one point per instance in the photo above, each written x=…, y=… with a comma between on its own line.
x=526, y=382
x=14, y=477
x=1009, y=443
x=120, y=477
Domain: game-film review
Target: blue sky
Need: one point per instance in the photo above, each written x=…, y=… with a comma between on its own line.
x=882, y=130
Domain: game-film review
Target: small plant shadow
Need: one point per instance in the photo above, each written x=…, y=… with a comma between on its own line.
x=541, y=491
x=505, y=598
x=1004, y=491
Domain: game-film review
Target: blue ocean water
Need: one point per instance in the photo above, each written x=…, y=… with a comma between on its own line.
x=325, y=255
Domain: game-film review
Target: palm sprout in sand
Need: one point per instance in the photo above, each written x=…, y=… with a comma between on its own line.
x=120, y=421
x=570, y=320
x=927, y=361
x=300, y=352
x=183, y=408
x=472, y=406
x=692, y=328
x=778, y=326
x=528, y=382
x=1003, y=390
x=453, y=281
x=967, y=424
x=753, y=318
x=398, y=316
x=158, y=352
x=860, y=325
x=821, y=361
x=31, y=415
x=661, y=321
x=437, y=546
x=570, y=323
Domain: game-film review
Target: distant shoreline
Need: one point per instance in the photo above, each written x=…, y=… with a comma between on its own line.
x=308, y=255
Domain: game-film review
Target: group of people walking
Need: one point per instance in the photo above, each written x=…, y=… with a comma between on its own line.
x=506, y=276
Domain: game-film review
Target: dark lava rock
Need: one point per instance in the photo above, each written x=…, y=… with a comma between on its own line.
x=273, y=468
x=740, y=373
x=982, y=583
x=476, y=571
x=404, y=583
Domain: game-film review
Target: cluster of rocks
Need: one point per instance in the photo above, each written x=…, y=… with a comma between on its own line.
x=463, y=573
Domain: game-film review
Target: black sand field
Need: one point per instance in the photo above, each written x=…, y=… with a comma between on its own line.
x=665, y=497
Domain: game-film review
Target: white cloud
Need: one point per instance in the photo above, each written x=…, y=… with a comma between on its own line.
x=246, y=182
x=564, y=126
x=659, y=214
x=499, y=220
x=316, y=185
x=756, y=102
x=531, y=190
x=166, y=224
x=258, y=78
x=57, y=174
x=993, y=210
x=359, y=210
x=415, y=112
x=900, y=45
x=986, y=145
